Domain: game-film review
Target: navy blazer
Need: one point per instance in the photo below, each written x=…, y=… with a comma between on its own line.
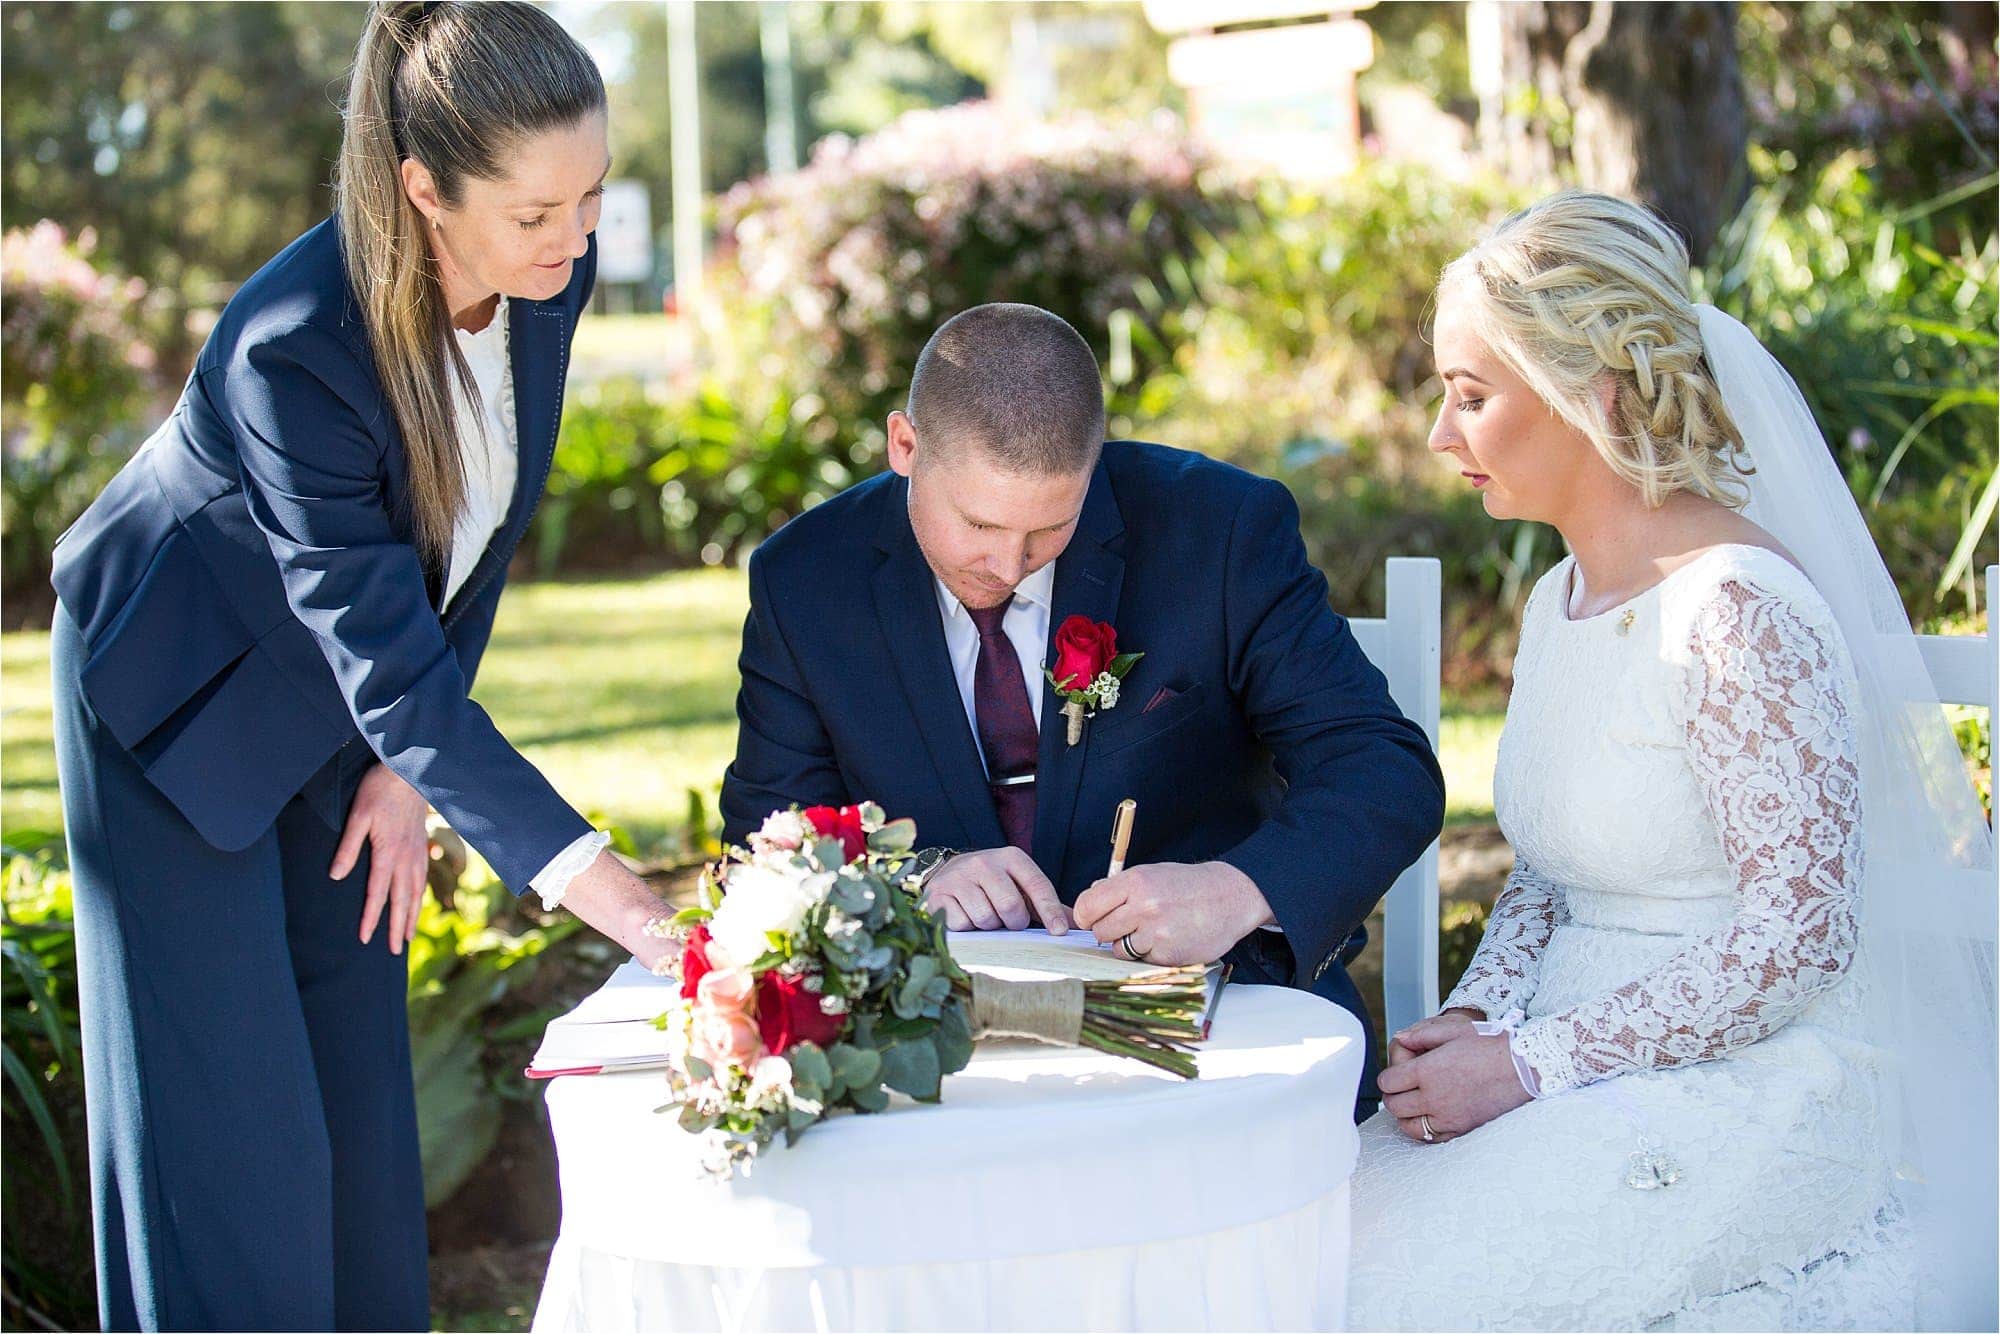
x=257, y=615
x=1279, y=751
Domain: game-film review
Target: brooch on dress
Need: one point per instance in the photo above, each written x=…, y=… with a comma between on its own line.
x=1625, y=622
x=1651, y=1169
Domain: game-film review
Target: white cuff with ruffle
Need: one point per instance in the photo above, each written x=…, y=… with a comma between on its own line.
x=553, y=880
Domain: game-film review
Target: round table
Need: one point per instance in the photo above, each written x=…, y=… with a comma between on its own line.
x=1054, y=1188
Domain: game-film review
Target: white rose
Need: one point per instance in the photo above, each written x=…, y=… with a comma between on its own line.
x=783, y=831
x=771, y=1074
x=759, y=900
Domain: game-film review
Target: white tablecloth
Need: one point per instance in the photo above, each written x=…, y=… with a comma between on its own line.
x=1054, y=1188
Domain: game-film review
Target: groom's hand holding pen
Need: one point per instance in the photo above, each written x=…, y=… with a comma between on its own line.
x=1170, y=913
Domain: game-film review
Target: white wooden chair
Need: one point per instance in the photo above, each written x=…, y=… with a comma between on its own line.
x=1406, y=644
x=1965, y=669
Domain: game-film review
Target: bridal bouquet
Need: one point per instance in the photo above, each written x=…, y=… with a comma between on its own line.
x=813, y=979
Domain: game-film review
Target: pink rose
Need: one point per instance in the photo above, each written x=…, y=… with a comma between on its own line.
x=725, y=1037
x=725, y=1029
x=725, y=989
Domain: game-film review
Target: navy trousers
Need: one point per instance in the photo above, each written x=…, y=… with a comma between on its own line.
x=253, y=1130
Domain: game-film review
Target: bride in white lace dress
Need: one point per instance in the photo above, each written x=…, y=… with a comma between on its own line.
x=1652, y=1101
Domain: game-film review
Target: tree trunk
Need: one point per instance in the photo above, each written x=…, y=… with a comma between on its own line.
x=1639, y=100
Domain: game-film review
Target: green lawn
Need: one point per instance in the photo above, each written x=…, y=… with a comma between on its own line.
x=621, y=691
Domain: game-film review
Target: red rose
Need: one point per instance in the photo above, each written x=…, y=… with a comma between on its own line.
x=1084, y=648
x=788, y=1014
x=843, y=824
x=694, y=962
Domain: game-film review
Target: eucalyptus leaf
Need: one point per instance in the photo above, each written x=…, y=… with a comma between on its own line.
x=898, y=836
x=856, y=1065
x=852, y=895
x=809, y=1064
x=913, y=1068
x=699, y=1070
x=953, y=1039
x=694, y=1121
x=869, y=1098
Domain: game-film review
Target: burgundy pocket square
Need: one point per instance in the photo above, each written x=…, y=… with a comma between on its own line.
x=1160, y=696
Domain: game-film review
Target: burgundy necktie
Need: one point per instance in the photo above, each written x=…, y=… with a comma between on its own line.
x=1007, y=731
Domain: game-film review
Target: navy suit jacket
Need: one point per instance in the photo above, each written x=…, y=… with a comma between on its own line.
x=258, y=619
x=1279, y=752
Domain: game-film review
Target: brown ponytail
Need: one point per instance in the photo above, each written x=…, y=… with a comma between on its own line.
x=454, y=85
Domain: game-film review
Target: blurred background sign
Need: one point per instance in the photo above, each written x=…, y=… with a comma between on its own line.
x=1281, y=95
x=625, y=234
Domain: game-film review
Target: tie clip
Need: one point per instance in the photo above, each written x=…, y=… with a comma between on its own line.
x=1015, y=781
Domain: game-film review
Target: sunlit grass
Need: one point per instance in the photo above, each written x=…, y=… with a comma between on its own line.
x=28, y=797
x=621, y=691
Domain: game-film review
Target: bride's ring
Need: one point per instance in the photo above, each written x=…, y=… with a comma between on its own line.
x=1131, y=950
x=1430, y=1136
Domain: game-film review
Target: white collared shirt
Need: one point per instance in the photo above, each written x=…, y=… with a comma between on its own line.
x=487, y=446
x=1026, y=626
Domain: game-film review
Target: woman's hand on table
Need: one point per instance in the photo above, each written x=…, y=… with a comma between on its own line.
x=618, y=904
x=1460, y=1085
x=389, y=814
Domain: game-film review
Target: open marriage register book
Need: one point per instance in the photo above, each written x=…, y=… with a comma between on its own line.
x=612, y=1029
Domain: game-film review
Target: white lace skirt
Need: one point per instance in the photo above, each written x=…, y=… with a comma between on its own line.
x=1529, y=1222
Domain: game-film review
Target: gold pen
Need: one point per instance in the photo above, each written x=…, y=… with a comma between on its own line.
x=1121, y=834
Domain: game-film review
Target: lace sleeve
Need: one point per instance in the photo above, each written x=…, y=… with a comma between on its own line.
x=1504, y=969
x=1772, y=745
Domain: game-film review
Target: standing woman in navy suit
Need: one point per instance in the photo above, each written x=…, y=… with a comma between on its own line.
x=267, y=629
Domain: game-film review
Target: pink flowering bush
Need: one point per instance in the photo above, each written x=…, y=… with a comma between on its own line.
x=855, y=260
x=76, y=374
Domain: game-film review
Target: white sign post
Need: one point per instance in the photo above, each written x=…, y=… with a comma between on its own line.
x=1282, y=96
x=625, y=234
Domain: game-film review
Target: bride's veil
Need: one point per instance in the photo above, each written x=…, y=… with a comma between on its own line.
x=1929, y=897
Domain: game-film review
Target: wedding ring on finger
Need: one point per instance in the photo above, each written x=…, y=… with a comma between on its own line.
x=1131, y=951
x=1430, y=1135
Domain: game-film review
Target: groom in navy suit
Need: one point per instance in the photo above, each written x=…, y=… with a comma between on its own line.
x=895, y=652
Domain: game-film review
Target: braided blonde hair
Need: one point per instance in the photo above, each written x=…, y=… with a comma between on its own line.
x=1582, y=286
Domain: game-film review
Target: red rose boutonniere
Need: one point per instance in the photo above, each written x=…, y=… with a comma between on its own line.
x=1088, y=670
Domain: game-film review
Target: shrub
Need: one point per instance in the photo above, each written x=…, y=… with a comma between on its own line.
x=701, y=477
x=1891, y=338
x=854, y=261
x=47, y=1250
x=1301, y=331
x=76, y=372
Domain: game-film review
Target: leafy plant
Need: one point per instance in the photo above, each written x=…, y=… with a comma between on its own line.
x=1887, y=318
x=462, y=962
x=854, y=261
x=43, y=1080
x=76, y=371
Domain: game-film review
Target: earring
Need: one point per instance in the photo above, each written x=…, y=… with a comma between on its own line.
x=436, y=226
